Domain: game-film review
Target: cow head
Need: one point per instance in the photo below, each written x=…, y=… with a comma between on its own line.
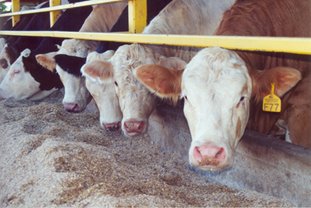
x=68, y=62
x=7, y=56
x=217, y=87
x=24, y=81
x=136, y=102
x=99, y=80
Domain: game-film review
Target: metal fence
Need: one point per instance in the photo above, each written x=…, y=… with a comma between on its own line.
x=137, y=22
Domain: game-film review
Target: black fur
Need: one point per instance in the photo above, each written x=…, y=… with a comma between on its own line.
x=47, y=79
x=70, y=64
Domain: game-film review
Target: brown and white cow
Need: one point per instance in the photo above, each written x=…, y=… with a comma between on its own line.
x=178, y=17
x=223, y=89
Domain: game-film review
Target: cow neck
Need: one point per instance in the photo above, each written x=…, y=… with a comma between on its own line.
x=47, y=79
x=70, y=64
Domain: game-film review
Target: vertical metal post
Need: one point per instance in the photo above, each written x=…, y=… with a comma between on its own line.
x=16, y=7
x=54, y=14
x=137, y=15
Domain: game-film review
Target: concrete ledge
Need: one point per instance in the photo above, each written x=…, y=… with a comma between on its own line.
x=261, y=164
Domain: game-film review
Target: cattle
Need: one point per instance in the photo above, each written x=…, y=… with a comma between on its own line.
x=101, y=19
x=178, y=17
x=14, y=44
x=223, y=90
x=36, y=84
x=100, y=84
x=70, y=20
x=76, y=98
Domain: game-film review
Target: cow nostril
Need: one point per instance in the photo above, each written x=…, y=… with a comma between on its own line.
x=209, y=155
x=133, y=127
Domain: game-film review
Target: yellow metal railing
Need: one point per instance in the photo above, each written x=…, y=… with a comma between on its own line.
x=137, y=21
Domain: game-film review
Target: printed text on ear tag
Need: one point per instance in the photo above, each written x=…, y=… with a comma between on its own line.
x=271, y=102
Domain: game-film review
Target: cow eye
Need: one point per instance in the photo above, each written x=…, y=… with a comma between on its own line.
x=4, y=63
x=116, y=83
x=241, y=99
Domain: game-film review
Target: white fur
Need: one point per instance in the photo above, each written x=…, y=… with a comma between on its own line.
x=212, y=84
x=19, y=84
x=103, y=91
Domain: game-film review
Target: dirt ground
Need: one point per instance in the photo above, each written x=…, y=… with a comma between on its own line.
x=52, y=158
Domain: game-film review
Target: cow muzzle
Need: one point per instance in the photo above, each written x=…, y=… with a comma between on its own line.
x=72, y=107
x=115, y=126
x=134, y=127
x=209, y=157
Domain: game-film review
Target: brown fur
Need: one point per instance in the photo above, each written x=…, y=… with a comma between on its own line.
x=46, y=62
x=160, y=80
x=287, y=18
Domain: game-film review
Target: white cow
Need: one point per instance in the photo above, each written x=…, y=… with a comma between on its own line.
x=179, y=17
x=100, y=83
x=224, y=90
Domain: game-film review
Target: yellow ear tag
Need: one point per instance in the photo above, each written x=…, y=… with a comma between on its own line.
x=271, y=102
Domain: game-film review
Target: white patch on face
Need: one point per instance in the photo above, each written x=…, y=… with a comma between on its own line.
x=75, y=90
x=106, y=99
x=135, y=100
x=217, y=90
x=103, y=91
x=18, y=83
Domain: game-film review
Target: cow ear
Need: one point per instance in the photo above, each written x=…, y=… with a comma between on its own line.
x=98, y=71
x=164, y=82
x=46, y=61
x=284, y=78
x=172, y=63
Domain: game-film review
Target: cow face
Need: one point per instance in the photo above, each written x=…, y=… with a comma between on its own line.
x=76, y=95
x=217, y=88
x=217, y=91
x=7, y=56
x=67, y=61
x=136, y=102
x=19, y=83
x=99, y=80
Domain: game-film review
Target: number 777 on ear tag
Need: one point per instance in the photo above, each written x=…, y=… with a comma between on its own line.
x=271, y=102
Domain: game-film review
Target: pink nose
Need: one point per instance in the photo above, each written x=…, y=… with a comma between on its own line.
x=133, y=127
x=112, y=126
x=209, y=155
x=72, y=107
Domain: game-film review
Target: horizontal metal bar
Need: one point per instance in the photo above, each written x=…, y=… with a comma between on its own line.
x=61, y=7
x=272, y=44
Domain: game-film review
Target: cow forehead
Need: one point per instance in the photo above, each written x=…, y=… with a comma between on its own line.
x=215, y=68
x=132, y=56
